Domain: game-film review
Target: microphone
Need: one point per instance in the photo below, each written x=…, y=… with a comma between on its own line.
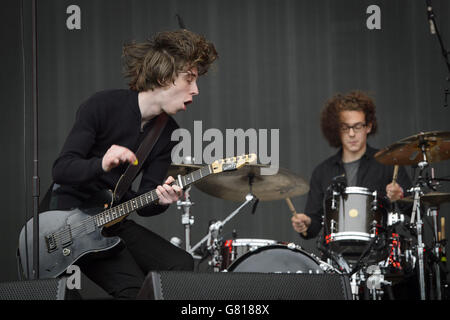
x=337, y=187
x=430, y=17
x=338, y=183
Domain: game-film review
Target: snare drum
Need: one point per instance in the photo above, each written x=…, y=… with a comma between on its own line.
x=233, y=249
x=280, y=258
x=352, y=219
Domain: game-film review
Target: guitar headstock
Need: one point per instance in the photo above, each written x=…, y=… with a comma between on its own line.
x=233, y=163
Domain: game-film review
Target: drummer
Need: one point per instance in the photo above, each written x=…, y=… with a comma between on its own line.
x=346, y=122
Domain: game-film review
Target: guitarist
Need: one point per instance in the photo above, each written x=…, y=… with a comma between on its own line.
x=108, y=129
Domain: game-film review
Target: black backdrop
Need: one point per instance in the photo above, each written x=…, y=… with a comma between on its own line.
x=279, y=62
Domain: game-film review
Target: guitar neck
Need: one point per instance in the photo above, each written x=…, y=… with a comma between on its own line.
x=148, y=198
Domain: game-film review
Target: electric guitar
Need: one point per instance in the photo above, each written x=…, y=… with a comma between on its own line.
x=66, y=236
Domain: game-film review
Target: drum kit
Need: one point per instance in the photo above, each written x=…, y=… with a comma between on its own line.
x=364, y=236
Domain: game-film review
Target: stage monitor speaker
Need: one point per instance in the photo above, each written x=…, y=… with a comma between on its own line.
x=42, y=289
x=183, y=285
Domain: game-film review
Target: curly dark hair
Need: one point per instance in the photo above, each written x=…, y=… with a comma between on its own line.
x=352, y=101
x=158, y=61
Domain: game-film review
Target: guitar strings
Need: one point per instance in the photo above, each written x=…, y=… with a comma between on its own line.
x=68, y=233
x=81, y=227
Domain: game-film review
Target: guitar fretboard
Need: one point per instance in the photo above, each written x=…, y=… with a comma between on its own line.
x=146, y=199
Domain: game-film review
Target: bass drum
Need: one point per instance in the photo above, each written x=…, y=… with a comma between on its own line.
x=280, y=259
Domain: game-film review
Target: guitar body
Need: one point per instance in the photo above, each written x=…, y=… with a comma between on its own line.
x=64, y=237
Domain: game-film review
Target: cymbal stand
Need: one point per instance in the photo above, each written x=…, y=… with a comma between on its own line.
x=434, y=213
x=186, y=219
x=215, y=229
x=419, y=224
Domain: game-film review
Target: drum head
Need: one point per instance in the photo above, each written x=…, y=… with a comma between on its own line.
x=276, y=258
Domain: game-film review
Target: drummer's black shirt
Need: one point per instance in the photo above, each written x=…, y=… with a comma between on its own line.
x=371, y=175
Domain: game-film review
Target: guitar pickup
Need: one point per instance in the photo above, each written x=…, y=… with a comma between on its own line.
x=66, y=237
x=50, y=241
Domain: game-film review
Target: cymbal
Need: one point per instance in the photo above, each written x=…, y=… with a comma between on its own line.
x=408, y=150
x=235, y=185
x=431, y=198
x=181, y=169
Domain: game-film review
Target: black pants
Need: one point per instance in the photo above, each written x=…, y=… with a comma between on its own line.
x=122, y=273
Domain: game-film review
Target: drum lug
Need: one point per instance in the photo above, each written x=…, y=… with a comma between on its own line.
x=333, y=200
x=375, y=201
x=333, y=226
x=292, y=246
x=373, y=230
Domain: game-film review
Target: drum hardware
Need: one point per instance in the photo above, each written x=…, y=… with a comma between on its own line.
x=177, y=170
x=375, y=281
x=395, y=218
x=420, y=245
x=419, y=150
x=418, y=193
x=339, y=261
x=214, y=243
x=333, y=200
x=361, y=262
x=333, y=227
x=375, y=201
x=400, y=260
x=438, y=251
x=186, y=219
x=355, y=284
x=374, y=230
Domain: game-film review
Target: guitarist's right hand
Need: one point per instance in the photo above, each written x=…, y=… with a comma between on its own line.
x=117, y=155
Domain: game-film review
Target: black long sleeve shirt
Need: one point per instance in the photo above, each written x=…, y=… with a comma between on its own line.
x=106, y=118
x=371, y=175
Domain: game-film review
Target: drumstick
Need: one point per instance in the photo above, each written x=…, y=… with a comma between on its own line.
x=394, y=177
x=442, y=228
x=291, y=206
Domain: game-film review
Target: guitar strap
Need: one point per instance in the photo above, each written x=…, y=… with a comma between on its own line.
x=141, y=154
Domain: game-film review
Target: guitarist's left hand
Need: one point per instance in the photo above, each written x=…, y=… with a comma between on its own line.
x=168, y=194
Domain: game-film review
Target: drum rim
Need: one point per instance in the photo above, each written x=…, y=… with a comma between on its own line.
x=358, y=190
x=273, y=246
x=350, y=235
x=252, y=241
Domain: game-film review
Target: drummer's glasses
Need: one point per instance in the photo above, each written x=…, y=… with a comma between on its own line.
x=356, y=127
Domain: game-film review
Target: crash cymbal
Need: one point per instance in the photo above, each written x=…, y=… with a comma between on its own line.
x=408, y=151
x=181, y=169
x=235, y=185
x=431, y=198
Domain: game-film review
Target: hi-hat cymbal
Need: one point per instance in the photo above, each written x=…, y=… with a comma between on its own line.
x=431, y=198
x=181, y=169
x=235, y=185
x=408, y=151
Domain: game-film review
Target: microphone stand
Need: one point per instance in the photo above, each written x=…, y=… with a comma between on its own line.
x=435, y=30
x=36, y=182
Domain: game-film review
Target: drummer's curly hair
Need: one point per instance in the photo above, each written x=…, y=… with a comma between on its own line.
x=158, y=61
x=352, y=101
